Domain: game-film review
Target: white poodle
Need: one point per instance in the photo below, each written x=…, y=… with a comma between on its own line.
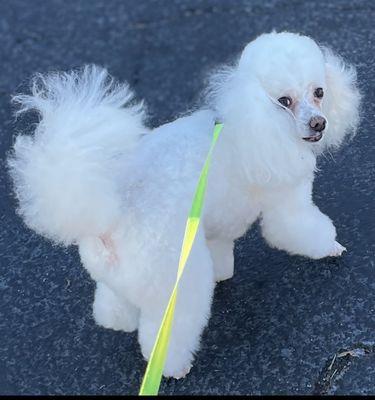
x=94, y=176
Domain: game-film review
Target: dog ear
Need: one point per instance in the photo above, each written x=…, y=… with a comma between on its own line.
x=341, y=99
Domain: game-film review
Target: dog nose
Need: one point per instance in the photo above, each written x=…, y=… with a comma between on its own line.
x=317, y=123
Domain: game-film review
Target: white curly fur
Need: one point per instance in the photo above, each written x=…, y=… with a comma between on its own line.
x=90, y=176
x=70, y=169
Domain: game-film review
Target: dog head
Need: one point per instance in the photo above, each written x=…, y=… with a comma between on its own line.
x=285, y=100
x=309, y=83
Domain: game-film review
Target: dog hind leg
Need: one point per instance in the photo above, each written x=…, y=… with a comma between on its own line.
x=191, y=314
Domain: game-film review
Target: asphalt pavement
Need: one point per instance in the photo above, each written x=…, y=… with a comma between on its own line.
x=282, y=325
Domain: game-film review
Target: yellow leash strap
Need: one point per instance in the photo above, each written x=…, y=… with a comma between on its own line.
x=152, y=378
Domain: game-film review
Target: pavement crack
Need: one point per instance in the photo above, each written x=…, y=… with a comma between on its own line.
x=338, y=365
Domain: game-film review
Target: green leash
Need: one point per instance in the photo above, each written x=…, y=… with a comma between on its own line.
x=152, y=378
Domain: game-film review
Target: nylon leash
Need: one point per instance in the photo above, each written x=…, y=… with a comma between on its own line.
x=152, y=377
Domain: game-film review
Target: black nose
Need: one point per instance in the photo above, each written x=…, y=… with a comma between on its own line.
x=317, y=123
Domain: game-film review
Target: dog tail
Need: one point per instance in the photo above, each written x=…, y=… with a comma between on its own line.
x=66, y=175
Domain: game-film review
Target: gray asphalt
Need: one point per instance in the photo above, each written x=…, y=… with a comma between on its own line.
x=281, y=325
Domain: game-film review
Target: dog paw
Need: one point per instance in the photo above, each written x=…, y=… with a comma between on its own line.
x=183, y=373
x=126, y=322
x=179, y=374
x=112, y=313
x=223, y=276
x=337, y=250
x=223, y=270
x=172, y=371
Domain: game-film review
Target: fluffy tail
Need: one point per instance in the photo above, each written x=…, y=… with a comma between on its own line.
x=66, y=175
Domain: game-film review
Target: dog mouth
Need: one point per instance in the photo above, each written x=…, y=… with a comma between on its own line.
x=313, y=139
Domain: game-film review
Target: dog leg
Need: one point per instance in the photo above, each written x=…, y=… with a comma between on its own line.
x=191, y=314
x=113, y=312
x=222, y=256
x=291, y=222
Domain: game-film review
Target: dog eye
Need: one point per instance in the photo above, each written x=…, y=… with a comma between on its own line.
x=319, y=93
x=285, y=101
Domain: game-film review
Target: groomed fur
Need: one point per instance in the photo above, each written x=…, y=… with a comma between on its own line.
x=65, y=175
x=67, y=178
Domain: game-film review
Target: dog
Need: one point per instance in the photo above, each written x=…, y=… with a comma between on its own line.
x=93, y=175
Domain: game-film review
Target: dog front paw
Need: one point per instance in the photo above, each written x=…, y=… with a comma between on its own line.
x=337, y=250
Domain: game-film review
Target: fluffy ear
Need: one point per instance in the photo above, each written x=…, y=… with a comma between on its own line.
x=341, y=99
